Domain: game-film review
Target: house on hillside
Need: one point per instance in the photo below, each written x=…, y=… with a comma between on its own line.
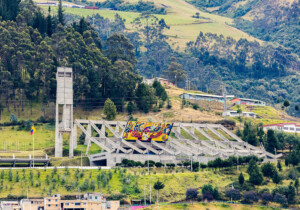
x=247, y=101
x=161, y=80
x=285, y=127
x=207, y=97
x=232, y=113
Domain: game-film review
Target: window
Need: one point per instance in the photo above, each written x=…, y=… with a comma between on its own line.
x=297, y=129
x=77, y=204
x=55, y=200
x=49, y=205
x=49, y=200
x=66, y=204
x=56, y=205
x=292, y=129
x=68, y=74
x=60, y=74
x=95, y=197
x=285, y=128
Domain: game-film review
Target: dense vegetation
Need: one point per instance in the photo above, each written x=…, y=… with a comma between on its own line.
x=33, y=46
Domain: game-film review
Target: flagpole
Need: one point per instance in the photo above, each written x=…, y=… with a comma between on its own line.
x=33, y=146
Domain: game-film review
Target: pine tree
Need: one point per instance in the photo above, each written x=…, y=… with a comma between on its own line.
x=130, y=107
x=61, y=16
x=276, y=177
x=49, y=23
x=272, y=141
x=296, y=185
x=241, y=179
x=110, y=109
x=279, y=165
x=254, y=172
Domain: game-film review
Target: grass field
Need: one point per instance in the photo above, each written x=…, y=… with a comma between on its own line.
x=183, y=28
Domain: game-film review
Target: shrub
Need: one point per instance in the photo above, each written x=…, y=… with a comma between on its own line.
x=233, y=193
x=208, y=196
x=250, y=197
x=191, y=193
x=266, y=197
x=110, y=109
x=281, y=199
x=158, y=164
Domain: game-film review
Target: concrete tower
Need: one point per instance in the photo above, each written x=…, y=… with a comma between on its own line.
x=64, y=109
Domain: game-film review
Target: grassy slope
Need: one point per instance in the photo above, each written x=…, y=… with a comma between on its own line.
x=212, y=206
x=183, y=28
x=176, y=182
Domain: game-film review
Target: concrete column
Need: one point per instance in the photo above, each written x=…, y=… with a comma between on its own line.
x=75, y=136
x=103, y=129
x=89, y=131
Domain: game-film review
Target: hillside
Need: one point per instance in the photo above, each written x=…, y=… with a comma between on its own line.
x=183, y=27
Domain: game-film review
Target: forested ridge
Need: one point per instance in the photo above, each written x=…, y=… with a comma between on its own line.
x=107, y=59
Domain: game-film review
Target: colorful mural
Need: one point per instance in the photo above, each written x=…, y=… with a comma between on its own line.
x=147, y=131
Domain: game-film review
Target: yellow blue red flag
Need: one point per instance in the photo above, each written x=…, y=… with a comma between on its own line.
x=32, y=130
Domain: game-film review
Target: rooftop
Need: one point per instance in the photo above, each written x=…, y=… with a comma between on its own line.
x=207, y=95
x=282, y=124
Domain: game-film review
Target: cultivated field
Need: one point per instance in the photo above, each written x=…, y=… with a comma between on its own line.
x=183, y=27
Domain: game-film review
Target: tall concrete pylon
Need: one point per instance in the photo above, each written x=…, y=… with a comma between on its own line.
x=64, y=110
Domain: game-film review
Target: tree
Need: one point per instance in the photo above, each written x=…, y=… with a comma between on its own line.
x=255, y=174
x=233, y=194
x=279, y=165
x=291, y=193
x=268, y=169
x=266, y=197
x=272, y=141
x=1, y=109
x=175, y=72
x=49, y=23
x=130, y=107
x=250, y=196
x=158, y=185
x=120, y=48
x=278, y=198
x=145, y=97
x=191, y=194
x=276, y=177
x=286, y=103
x=60, y=13
x=241, y=179
x=159, y=90
x=110, y=109
x=296, y=184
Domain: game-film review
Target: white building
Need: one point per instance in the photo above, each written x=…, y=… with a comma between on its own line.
x=285, y=127
x=232, y=113
x=206, y=97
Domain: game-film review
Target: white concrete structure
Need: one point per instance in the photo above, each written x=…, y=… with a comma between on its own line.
x=284, y=127
x=64, y=110
x=207, y=97
x=232, y=113
x=200, y=146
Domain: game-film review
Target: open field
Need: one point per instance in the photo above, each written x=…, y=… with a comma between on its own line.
x=183, y=28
